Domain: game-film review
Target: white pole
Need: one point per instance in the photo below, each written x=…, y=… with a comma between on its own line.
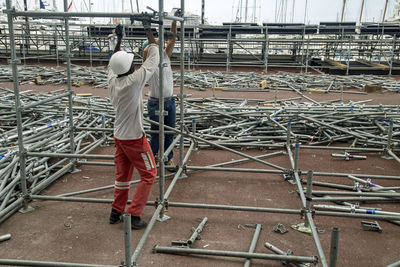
x=254, y=11
x=123, y=9
x=293, y=4
x=240, y=12
x=285, y=12
x=90, y=10
x=245, y=12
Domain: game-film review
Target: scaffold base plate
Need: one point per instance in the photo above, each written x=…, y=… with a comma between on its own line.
x=163, y=218
x=26, y=209
x=75, y=170
x=183, y=176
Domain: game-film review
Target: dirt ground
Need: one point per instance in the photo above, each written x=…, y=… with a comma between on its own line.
x=80, y=232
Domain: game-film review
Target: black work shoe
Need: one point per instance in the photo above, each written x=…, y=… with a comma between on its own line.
x=137, y=223
x=115, y=217
x=170, y=166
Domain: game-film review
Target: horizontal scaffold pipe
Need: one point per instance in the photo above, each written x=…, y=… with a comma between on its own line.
x=37, y=103
x=15, y=262
x=356, y=215
x=98, y=129
x=273, y=210
x=201, y=168
x=358, y=199
x=171, y=204
x=374, y=176
x=236, y=254
x=222, y=207
x=366, y=194
x=66, y=155
x=354, y=149
x=57, y=15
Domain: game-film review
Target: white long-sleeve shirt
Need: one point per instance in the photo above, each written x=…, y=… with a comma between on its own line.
x=168, y=81
x=112, y=42
x=126, y=97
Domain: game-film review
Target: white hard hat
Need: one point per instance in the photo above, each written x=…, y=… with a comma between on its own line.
x=121, y=62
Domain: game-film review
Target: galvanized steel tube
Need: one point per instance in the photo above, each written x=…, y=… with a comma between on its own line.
x=21, y=148
x=127, y=239
x=182, y=84
x=253, y=244
x=236, y=254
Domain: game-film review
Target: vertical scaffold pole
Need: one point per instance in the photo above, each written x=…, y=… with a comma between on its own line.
x=289, y=129
x=266, y=50
x=69, y=82
x=182, y=63
x=296, y=155
x=307, y=51
x=14, y=61
x=228, y=52
x=190, y=50
x=142, y=241
x=127, y=239
x=392, y=55
x=91, y=48
x=308, y=195
x=56, y=44
x=390, y=134
x=161, y=169
x=302, y=47
x=348, y=58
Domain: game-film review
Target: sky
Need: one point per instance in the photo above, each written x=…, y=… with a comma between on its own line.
x=218, y=11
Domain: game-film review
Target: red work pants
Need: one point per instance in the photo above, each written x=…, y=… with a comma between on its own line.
x=132, y=154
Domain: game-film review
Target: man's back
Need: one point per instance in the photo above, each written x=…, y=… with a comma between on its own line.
x=126, y=97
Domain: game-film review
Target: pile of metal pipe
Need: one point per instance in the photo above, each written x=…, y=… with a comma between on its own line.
x=203, y=80
x=223, y=122
x=45, y=128
x=80, y=75
x=236, y=124
x=253, y=81
x=212, y=122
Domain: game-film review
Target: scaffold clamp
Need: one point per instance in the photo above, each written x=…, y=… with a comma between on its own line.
x=371, y=226
x=144, y=16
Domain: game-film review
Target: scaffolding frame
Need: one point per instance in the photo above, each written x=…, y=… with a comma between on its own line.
x=342, y=50
x=162, y=203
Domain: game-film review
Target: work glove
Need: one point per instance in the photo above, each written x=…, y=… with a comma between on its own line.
x=146, y=24
x=119, y=31
x=169, y=35
x=178, y=13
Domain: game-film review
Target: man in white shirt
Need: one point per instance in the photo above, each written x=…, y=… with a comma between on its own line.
x=112, y=42
x=169, y=100
x=132, y=148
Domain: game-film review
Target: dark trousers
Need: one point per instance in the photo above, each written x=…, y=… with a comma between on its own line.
x=169, y=120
